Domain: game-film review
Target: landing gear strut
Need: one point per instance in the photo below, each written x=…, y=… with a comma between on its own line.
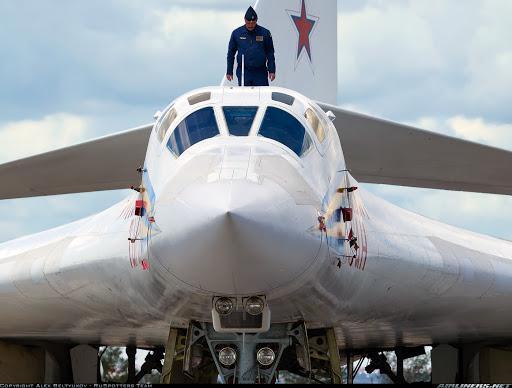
x=170, y=350
x=325, y=356
x=334, y=357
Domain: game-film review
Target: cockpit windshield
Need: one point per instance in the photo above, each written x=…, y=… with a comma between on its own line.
x=277, y=124
x=286, y=129
x=197, y=126
x=239, y=119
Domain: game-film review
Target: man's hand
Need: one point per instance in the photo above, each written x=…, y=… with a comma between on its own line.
x=272, y=76
x=229, y=77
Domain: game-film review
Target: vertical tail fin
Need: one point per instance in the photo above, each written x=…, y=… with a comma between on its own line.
x=305, y=40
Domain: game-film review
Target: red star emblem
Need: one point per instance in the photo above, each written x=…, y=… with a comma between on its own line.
x=304, y=27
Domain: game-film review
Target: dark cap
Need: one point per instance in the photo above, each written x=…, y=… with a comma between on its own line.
x=251, y=14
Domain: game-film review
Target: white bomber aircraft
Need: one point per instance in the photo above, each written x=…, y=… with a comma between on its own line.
x=247, y=228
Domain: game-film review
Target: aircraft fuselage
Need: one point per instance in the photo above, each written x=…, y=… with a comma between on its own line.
x=259, y=213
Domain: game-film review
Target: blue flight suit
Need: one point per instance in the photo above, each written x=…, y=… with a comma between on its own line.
x=257, y=48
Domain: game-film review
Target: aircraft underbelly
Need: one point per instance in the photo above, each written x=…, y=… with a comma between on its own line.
x=422, y=283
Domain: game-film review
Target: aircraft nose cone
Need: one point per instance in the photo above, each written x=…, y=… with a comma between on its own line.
x=235, y=237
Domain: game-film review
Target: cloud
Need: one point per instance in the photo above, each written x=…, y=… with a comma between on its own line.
x=482, y=213
x=180, y=54
x=498, y=135
x=403, y=59
x=29, y=137
x=489, y=60
x=400, y=59
x=111, y=51
x=228, y=5
x=474, y=129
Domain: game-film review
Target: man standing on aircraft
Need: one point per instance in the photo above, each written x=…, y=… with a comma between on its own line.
x=255, y=44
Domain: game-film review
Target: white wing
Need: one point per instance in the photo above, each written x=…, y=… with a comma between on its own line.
x=105, y=163
x=380, y=151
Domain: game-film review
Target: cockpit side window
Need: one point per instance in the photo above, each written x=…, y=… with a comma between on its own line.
x=286, y=129
x=239, y=119
x=166, y=123
x=315, y=123
x=197, y=126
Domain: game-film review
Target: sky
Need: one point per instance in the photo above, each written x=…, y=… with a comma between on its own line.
x=72, y=70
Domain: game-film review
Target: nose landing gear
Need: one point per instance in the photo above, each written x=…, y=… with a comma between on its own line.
x=234, y=357
x=244, y=357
